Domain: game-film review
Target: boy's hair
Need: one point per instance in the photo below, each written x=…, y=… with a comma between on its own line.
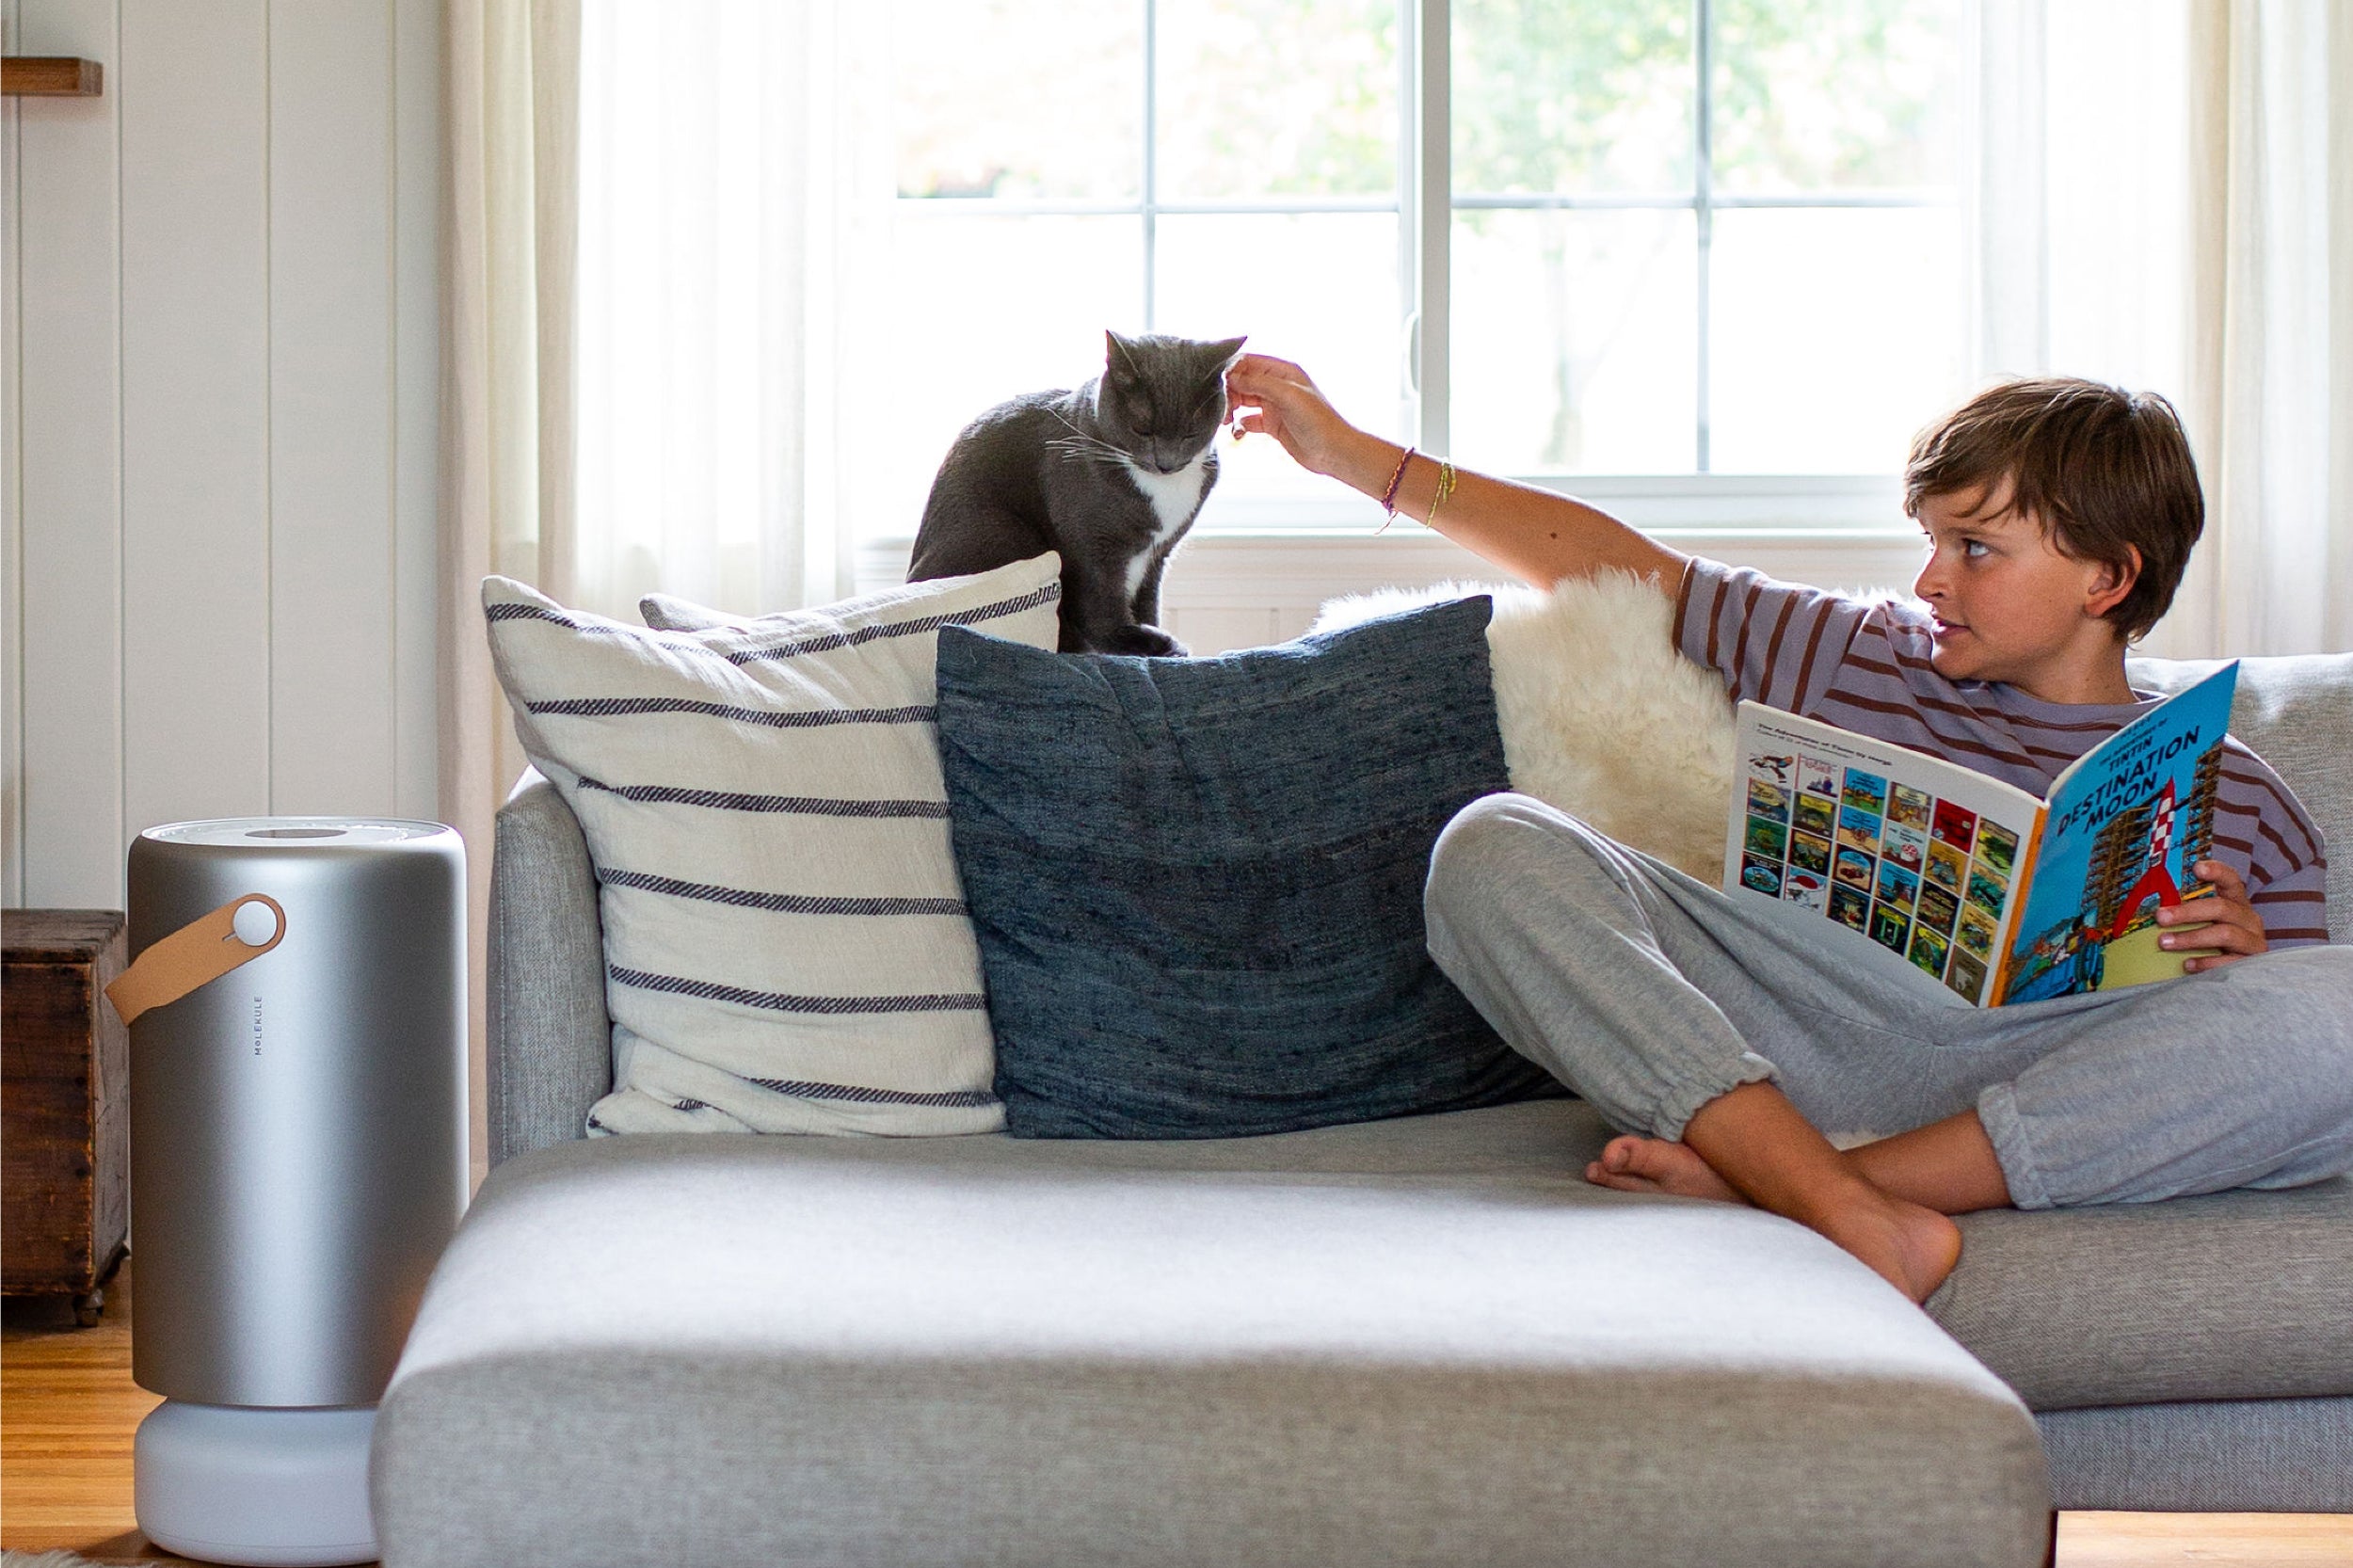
x=2105, y=471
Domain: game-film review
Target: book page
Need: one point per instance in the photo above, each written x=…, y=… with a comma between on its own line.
x=2125, y=823
x=1901, y=851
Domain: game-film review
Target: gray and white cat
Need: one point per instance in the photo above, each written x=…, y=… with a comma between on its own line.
x=1111, y=476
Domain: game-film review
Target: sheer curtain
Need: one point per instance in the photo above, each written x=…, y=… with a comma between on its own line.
x=734, y=211
x=2167, y=203
x=2272, y=356
x=509, y=110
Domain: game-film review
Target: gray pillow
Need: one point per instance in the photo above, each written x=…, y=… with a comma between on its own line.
x=1198, y=883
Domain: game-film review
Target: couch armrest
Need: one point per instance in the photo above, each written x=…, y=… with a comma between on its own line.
x=551, y=1041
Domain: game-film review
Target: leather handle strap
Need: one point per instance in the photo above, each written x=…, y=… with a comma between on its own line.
x=200, y=951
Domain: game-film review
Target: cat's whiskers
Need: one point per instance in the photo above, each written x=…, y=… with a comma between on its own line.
x=1080, y=440
x=1087, y=449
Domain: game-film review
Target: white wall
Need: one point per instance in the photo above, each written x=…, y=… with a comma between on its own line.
x=220, y=366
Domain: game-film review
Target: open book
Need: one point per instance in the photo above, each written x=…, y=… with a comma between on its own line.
x=1887, y=851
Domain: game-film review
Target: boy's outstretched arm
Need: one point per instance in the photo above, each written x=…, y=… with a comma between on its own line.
x=1535, y=535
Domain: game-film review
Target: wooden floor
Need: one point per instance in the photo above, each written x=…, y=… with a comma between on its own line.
x=68, y=1408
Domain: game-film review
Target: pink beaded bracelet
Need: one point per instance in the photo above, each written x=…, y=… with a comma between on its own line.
x=1388, y=496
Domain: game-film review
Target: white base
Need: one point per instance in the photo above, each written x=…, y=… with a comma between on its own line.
x=272, y=1488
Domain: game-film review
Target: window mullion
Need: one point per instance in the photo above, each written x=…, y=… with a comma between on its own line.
x=1703, y=197
x=1151, y=163
x=1431, y=203
x=1408, y=175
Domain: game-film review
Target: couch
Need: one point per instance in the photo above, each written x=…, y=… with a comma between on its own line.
x=1422, y=1340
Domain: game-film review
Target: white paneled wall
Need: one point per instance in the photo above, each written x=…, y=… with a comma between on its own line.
x=221, y=369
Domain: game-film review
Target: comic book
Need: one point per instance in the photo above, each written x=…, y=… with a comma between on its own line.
x=1891, y=855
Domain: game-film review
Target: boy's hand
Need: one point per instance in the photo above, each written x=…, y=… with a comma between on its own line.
x=2230, y=923
x=1274, y=396
x=1535, y=535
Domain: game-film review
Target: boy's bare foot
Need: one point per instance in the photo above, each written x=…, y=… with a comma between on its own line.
x=1911, y=1247
x=1633, y=1163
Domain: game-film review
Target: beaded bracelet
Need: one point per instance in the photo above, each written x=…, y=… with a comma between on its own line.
x=1388, y=496
x=1446, y=488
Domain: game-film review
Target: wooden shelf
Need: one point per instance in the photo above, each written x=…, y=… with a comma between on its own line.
x=49, y=76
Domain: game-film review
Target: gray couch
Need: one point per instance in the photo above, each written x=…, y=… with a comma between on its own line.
x=1416, y=1341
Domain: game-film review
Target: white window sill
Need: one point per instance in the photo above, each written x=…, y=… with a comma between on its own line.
x=1730, y=503
x=1233, y=589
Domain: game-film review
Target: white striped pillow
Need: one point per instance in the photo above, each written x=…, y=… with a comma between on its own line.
x=785, y=940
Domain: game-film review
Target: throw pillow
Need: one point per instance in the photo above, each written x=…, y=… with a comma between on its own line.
x=785, y=941
x=669, y=613
x=1198, y=883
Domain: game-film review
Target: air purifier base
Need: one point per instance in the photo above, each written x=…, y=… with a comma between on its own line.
x=270, y=1488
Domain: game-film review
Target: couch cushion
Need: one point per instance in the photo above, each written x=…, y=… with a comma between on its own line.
x=785, y=945
x=2231, y=1296
x=1418, y=1341
x=1197, y=883
x=2206, y=1456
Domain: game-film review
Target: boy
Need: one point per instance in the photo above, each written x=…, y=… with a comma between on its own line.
x=2058, y=514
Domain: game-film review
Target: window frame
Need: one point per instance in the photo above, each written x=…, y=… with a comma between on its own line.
x=1426, y=202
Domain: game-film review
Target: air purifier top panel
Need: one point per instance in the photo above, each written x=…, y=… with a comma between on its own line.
x=293, y=832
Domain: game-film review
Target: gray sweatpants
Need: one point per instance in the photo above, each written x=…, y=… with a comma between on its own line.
x=1650, y=993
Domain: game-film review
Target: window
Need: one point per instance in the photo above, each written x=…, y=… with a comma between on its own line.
x=1709, y=258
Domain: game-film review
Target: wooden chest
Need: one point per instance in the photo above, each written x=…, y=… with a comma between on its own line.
x=65, y=1065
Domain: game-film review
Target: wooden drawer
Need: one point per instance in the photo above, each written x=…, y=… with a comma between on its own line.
x=65, y=1061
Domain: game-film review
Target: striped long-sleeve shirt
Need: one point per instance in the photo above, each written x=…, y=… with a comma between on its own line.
x=1864, y=665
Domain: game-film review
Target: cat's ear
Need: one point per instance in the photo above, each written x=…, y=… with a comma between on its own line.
x=1119, y=355
x=1225, y=353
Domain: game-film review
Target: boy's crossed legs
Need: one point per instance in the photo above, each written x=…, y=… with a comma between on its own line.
x=1698, y=1025
x=1949, y=1166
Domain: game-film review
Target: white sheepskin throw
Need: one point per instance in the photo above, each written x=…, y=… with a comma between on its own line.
x=1601, y=716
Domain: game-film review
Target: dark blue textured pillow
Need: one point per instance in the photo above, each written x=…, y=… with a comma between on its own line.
x=1198, y=883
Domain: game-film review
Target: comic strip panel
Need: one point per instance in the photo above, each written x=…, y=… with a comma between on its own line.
x=1816, y=815
x=1865, y=791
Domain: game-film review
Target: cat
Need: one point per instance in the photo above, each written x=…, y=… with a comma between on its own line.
x=1111, y=476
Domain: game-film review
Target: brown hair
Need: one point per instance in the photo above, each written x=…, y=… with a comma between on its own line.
x=2105, y=471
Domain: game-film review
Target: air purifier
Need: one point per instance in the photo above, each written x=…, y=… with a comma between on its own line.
x=296, y=1004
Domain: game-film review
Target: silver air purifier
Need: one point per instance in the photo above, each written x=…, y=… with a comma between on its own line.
x=296, y=1004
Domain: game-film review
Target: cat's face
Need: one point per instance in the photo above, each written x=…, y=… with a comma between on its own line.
x=1162, y=398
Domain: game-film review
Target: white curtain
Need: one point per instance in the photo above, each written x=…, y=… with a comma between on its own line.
x=735, y=197
x=2167, y=203
x=2272, y=355
x=510, y=112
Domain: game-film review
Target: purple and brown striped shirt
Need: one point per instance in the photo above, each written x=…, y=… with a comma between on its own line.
x=1864, y=665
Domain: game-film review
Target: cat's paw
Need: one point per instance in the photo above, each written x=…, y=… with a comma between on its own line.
x=1148, y=641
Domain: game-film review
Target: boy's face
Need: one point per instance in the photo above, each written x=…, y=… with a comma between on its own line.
x=2009, y=605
